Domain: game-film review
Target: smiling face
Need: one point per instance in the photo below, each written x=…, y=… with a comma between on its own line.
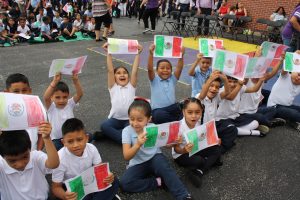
x=192, y=114
x=18, y=162
x=138, y=120
x=205, y=64
x=121, y=76
x=232, y=84
x=164, y=70
x=75, y=142
x=213, y=89
x=60, y=99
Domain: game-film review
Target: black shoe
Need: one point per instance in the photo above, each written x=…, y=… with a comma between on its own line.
x=98, y=135
x=116, y=197
x=218, y=163
x=99, y=40
x=104, y=38
x=277, y=122
x=195, y=177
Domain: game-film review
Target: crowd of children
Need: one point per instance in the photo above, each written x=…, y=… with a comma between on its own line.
x=234, y=104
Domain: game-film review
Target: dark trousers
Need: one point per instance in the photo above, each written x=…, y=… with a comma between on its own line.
x=291, y=113
x=263, y=115
x=227, y=132
x=152, y=13
x=167, y=114
x=205, y=11
x=141, y=12
x=113, y=128
x=136, y=178
x=183, y=8
x=107, y=194
x=202, y=160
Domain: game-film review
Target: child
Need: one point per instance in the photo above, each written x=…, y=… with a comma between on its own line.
x=122, y=92
x=77, y=24
x=4, y=38
x=46, y=31
x=91, y=28
x=11, y=28
x=57, y=20
x=283, y=93
x=22, y=172
x=24, y=29
x=203, y=160
x=146, y=161
x=67, y=29
x=163, y=99
x=59, y=107
x=19, y=84
x=75, y=157
x=211, y=97
x=199, y=74
x=230, y=21
x=85, y=24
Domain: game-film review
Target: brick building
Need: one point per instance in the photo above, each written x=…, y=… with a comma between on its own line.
x=264, y=8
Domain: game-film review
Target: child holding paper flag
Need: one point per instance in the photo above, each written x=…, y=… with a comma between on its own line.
x=146, y=161
x=122, y=89
x=76, y=157
x=163, y=99
x=202, y=161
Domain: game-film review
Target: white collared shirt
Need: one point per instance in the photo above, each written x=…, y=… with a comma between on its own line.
x=72, y=165
x=250, y=101
x=211, y=107
x=28, y=184
x=121, y=98
x=33, y=135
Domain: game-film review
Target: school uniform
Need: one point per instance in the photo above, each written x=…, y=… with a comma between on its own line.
x=199, y=79
x=282, y=96
x=202, y=160
x=149, y=161
x=33, y=135
x=72, y=165
x=121, y=98
x=163, y=101
x=22, y=185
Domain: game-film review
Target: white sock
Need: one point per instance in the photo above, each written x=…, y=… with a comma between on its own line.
x=158, y=180
x=242, y=131
x=251, y=126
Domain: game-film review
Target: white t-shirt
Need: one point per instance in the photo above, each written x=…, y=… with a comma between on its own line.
x=283, y=91
x=230, y=109
x=24, y=30
x=211, y=107
x=91, y=27
x=121, y=98
x=33, y=135
x=72, y=165
x=250, y=101
x=77, y=24
x=28, y=184
x=58, y=116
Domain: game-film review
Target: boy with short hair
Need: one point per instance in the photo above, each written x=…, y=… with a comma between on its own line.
x=23, y=29
x=77, y=156
x=22, y=172
x=46, y=31
x=67, y=29
x=19, y=84
x=59, y=107
x=201, y=73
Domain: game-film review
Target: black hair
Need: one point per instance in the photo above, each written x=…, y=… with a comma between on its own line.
x=16, y=78
x=119, y=67
x=231, y=78
x=142, y=104
x=163, y=60
x=71, y=125
x=62, y=86
x=283, y=11
x=45, y=19
x=189, y=100
x=13, y=143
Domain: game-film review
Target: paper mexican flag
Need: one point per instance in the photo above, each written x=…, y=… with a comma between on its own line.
x=208, y=46
x=202, y=137
x=273, y=50
x=18, y=112
x=168, y=46
x=68, y=8
x=232, y=64
x=162, y=134
x=291, y=62
x=257, y=67
x=121, y=46
x=89, y=181
x=67, y=66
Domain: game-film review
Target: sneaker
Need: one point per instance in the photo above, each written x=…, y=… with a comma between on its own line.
x=189, y=197
x=116, y=197
x=153, y=31
x=146, y=30
x=277, y=122
x=98, y=40
x=263, y=129
x=195, y=177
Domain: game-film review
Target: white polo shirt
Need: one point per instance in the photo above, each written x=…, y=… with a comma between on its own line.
x=33, y=135
x=211, y=107
x=250, y=101
x=28, y=184
x=58, y=116
x=72, y=165
x=24, y=30
x=283, y=91
x=121, y=98
x=230, y=109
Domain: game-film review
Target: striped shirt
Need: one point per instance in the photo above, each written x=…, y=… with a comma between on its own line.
x=99, y=8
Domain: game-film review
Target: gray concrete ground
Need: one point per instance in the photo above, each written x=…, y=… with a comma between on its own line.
x=256, y=168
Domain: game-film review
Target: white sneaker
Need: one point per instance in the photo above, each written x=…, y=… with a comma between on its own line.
x=117, y=197
x=146, y=30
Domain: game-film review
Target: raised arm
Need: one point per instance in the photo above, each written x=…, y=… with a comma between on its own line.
x=179, y=66
x=207, y=84
x=195, y=64
x=49, y=91
x=151, y=73
x=110, y=68
x=78, y=88
x=224, y=94
x=135, y=67
x=130, y=151
x=275, y=70
x=256, y=87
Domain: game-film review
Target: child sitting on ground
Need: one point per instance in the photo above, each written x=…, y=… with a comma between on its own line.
x=122, y=92
x=19, y=84
x=163, y=84
x=22, y=172
x=57, y=20
x=59, y=107
x=148, y=168
x=199, y=74
x=23, y=29
x=78, y=22
x=91, y=28
x=75, y=157
x=46, y=31
x=67, y=30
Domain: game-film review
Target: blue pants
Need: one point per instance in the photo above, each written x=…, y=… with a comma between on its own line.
x=227, y=132
x=291, y=113
x=167, y=114
x=107, y=194
x=263, y=115
x=287, y=42
x=136, y=178
x=113, y=128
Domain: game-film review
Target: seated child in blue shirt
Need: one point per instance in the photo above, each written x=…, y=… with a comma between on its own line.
x=163, y=85
x=146, y=161
x=199, y=74
x=46, y=31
